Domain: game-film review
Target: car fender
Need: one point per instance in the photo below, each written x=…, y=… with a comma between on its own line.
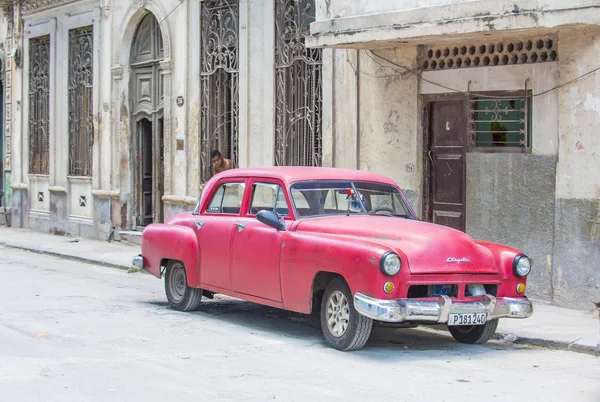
x=305, y=255
x=161, y=241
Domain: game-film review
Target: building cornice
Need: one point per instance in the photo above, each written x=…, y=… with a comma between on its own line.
x=34, y=6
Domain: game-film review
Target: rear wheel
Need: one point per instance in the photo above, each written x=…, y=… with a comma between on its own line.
x=180, y=296
x=474, y=333
x=344, y=328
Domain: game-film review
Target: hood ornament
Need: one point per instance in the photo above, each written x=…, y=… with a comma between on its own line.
x=452, y=259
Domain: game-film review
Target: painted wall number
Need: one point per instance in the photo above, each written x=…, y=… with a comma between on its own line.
x=409, y=167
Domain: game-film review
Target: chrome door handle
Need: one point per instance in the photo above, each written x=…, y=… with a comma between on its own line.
x=240, y=226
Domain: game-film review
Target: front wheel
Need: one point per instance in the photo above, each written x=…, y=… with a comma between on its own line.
x=180, y=296
x=474, y=334
x=344, y=328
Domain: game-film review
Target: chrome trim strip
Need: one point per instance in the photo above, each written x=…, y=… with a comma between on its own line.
x=428, y=311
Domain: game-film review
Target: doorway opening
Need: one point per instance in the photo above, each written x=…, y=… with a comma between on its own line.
x=146, y=89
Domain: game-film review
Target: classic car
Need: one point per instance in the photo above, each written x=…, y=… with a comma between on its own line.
x=345, y=244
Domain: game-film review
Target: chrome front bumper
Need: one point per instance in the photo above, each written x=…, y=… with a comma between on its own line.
x=428, y=311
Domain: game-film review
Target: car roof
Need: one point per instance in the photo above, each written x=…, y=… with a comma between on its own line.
x=291, y=174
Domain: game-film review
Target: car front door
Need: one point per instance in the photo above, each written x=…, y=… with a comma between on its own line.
x=214, y=228
x=256, y=247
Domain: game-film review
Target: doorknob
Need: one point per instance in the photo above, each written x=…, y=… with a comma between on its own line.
x=240, y=226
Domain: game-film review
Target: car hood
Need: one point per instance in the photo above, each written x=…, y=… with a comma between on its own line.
x=430, y=248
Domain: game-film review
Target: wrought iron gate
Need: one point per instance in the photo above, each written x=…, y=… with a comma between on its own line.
x=39, y=104
x=219, y=76
x=81, y=127
x=298, y=87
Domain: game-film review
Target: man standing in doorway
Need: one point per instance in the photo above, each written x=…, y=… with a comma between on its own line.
x=218, y=162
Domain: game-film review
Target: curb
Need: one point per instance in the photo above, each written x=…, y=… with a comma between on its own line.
x=69, y=257
x=546, y=343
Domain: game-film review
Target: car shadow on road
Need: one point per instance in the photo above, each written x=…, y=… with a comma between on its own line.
x=257, y=318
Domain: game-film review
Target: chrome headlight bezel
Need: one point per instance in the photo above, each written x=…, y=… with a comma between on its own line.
x=521, y=258
x=389, y=257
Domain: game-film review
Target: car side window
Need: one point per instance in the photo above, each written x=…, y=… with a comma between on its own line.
x=268, y=196
x=227, y=199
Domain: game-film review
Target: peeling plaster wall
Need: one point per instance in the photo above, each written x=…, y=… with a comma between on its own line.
x=577, y=229
x=388, y=119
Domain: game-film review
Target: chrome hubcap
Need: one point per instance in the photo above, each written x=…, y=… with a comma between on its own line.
x=338, y=314
x=177, y=283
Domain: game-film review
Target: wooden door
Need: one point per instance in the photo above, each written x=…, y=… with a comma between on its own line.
x=446, y=154
x=145, y=172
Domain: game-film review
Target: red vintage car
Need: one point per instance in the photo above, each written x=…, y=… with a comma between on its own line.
x=343, y=242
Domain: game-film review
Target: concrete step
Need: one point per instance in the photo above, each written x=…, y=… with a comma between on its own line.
x=131, y=236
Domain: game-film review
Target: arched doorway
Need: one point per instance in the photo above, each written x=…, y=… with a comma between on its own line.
x=147, y=95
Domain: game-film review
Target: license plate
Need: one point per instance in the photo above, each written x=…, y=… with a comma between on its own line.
x=467, y=319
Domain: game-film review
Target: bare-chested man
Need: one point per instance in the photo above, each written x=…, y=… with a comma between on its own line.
x=219, y=163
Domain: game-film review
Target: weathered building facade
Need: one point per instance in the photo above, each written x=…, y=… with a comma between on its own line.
x=478, y=109
x=485, y=112
x=115, y=106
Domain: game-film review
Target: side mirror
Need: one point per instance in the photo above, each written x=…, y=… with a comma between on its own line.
x=270, y=218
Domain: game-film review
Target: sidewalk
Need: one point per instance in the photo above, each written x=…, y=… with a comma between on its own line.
x=114, y=254
x=550, y=326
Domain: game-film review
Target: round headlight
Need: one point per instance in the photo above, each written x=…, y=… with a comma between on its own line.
x=522, y=265
x=390, y=263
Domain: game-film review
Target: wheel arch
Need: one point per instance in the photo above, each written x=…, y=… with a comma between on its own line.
x=320, y=282
x=164, y=242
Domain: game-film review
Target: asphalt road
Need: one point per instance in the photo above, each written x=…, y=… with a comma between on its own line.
x=76, y=332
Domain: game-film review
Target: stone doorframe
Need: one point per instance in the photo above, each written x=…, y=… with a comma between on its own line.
x=123, y=126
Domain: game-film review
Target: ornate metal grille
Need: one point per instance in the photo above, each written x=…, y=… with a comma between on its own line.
x=219, y=82
x=81, y=127
x=499, y=122
x=298, y=86
x=39, y=104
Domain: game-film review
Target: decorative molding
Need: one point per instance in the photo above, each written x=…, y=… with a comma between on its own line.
x=38, y=177
x=33, y=6
x=39, y=214
x=179, y=199
x=18, y=186
x=83, y=220
x=117, y=72
x=106, y=194
x=57, y=189
x=79, y=179
x=166, y=66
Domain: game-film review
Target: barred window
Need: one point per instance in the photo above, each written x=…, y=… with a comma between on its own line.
x=298, y=86
x=81, y=126
x=500, y=123
x=219, y=78
x=39, y=104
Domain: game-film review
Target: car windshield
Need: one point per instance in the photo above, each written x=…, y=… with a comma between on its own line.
x=344, y=197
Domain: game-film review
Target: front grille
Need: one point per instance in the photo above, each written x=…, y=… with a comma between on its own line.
x=451, y=290
x=416, y=291
x=489, y=289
